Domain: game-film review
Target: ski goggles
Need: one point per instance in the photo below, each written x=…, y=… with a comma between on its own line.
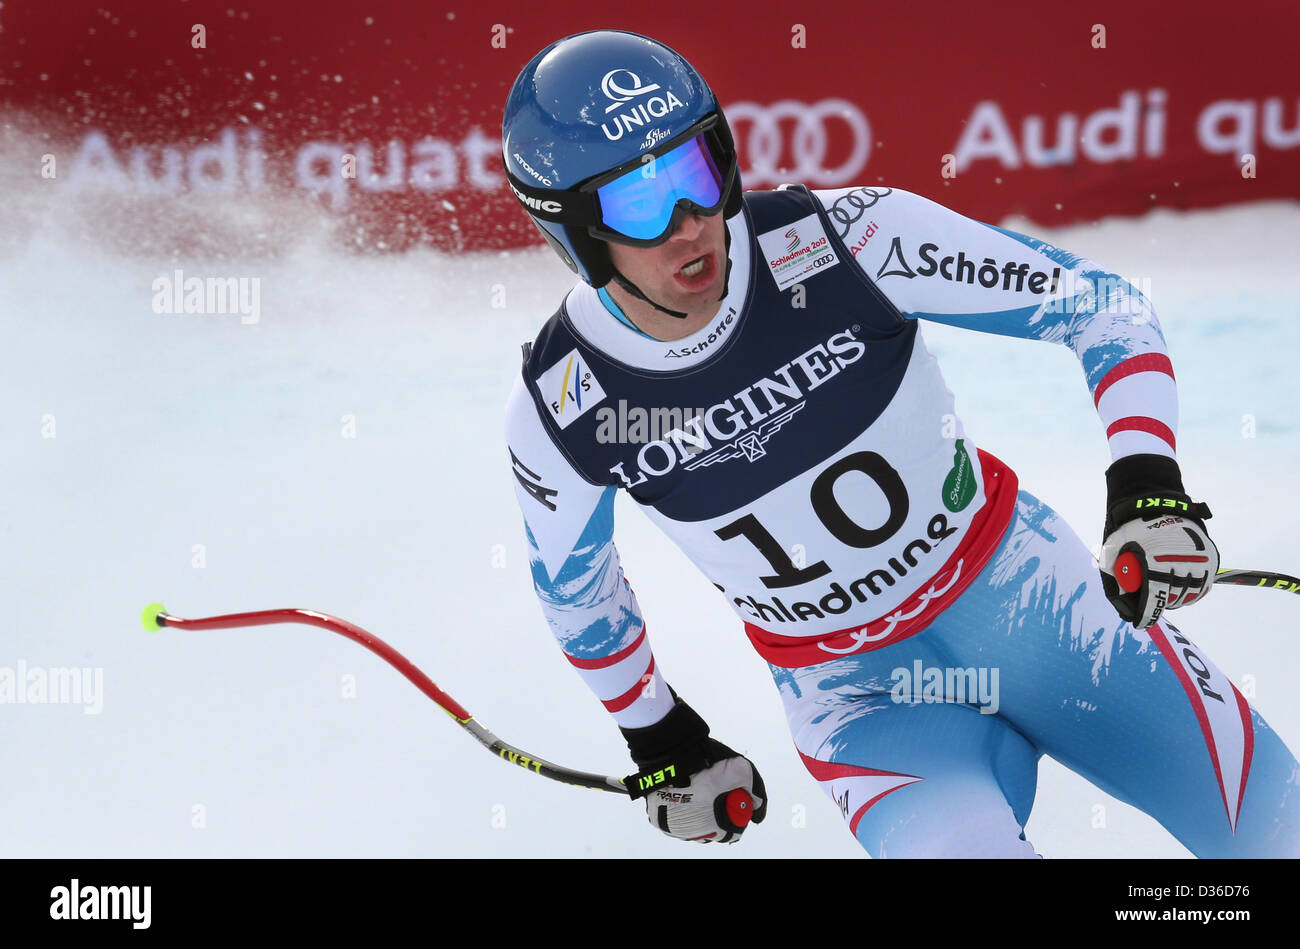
x=642, y=205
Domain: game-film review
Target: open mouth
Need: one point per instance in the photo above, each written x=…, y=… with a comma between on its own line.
x=695, y=266
x=696, y=274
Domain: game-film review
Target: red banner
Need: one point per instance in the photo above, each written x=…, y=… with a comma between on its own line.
x=390, y=118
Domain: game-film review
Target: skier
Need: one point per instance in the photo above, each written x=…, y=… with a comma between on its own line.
x=789, y=321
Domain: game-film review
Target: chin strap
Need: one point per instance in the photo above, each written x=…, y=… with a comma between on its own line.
x=633, y=289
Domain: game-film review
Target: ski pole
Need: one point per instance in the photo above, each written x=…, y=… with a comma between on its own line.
x=1259, y=578
x=155, y=617
x=1128, y=574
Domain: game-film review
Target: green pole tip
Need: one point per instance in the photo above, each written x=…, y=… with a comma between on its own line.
x=150, y=617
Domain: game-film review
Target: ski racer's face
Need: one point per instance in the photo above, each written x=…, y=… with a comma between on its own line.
x=685, y=273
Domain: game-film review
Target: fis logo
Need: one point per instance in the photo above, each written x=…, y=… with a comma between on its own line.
x=570, y=388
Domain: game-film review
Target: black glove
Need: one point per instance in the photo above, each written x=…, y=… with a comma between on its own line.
x=1156, y=554
x=695, y=787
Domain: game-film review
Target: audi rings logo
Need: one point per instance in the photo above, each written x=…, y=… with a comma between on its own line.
x=621, y=94
x=848, y=208
x=766, y=158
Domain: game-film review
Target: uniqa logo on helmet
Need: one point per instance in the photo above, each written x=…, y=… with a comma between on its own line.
x=645, y=108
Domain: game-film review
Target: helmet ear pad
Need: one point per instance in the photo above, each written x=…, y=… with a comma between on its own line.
x=589, y=257
x=594, y=254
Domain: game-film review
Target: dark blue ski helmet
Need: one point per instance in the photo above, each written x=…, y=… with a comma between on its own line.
x=612, y=136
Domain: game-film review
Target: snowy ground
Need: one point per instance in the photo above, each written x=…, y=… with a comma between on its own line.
x=172, y=431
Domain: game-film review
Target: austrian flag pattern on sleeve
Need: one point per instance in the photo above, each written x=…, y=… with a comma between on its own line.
x=936, y=265
x=1139, y=384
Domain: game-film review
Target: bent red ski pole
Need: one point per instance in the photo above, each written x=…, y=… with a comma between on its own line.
x=156, y=617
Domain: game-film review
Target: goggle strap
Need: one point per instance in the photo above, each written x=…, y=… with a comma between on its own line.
x=573, y=208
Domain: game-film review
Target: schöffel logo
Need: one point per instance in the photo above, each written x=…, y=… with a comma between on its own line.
x=716, y=334
x=644, y=108
x=569, y=389
x=740, y=426
x=960, y=269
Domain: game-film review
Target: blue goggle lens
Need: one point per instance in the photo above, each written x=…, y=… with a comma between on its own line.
x=640, y=203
